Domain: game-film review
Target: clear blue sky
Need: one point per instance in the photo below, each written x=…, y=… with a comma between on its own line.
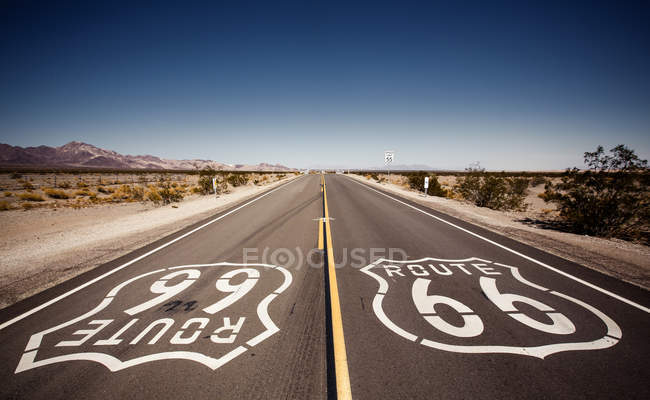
x=514, y=85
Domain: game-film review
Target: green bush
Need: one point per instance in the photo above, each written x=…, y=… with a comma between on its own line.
x=610, y=198
x=416, y=181
x=492, y=191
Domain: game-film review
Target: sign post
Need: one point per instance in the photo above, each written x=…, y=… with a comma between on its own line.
x=426, y=185
x=214, y=186
x=389, y=156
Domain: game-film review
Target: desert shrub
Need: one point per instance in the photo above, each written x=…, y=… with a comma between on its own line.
x=197, y=189
x=154, y=196
x=105, y=189
x=205, y=180
x=137, y=193
x=82, y=184
x=28, y=185
x=374, y=176
x=416, y=181
x=537, y=180
x=64, y=185
x=4, y=205
x=205, y=184
x=56, y=194
x=492, y=191
x=31, y=197
x=8, y=194
x=281, y=176
x=610, y=198
x=83, y=192
x=238, y=179
x=16, y=175
x=169, y=195
x=27, y=206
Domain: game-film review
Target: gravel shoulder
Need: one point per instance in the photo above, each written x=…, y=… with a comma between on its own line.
x=626, y=261
x=43, y=247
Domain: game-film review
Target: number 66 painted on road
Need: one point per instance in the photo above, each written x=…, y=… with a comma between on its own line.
x=472, y=323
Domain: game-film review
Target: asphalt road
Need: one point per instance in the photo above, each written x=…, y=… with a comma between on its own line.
x=240, y=306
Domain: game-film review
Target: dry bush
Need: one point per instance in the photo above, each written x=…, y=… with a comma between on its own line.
x=56, y=194
x=4, y=205
x=168, y=194
x=83, y=192
x=82, y=184
x=8, y=194
x=105, y=189
x=137, y=193
x=31, y=197
x=27, y=206
x=28, y=186
x=153, y=195
x=239, y=179
x=64, y=185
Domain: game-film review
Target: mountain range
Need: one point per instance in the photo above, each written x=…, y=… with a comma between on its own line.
x=78, y=154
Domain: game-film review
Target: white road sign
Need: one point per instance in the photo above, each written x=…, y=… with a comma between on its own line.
x=426, y=183
x=389, y=156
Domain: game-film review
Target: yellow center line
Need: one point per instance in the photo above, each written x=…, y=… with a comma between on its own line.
x=320, y=235
x=340, y=356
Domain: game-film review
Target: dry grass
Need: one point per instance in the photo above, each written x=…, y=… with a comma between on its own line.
x=31, y=197
x=105, y=189
x=4, y=205
x=56, y=194
x=84, y=192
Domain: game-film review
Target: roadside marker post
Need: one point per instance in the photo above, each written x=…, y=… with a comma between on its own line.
x=426, y=185
x=214, y=187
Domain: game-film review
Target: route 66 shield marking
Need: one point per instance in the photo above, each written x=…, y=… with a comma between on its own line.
x=499, y=312
x=167, y=322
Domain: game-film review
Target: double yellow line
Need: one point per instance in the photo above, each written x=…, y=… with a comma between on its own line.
x=343, y=390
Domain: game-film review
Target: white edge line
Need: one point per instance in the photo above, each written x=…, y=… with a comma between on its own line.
x=114, y=270
x=607, y=292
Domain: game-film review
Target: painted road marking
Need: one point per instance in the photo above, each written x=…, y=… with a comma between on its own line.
x=565, y=274
x=99, y=278
x=320, y=235
x=343, y=389
x=426, y=283
x=117, y=333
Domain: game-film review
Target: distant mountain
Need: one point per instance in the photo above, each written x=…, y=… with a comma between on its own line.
x=78, y=154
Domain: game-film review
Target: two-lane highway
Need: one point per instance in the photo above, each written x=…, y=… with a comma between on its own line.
x=312, y=291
